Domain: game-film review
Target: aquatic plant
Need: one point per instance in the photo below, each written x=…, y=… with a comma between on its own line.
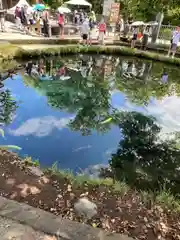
x=7, y=146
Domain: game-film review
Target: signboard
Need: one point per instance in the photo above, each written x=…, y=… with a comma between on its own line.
x=107, y=7
x=114, y=16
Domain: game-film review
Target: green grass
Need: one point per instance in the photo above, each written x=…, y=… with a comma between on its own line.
x=163, y=198
x=16, y=52
x=31, y=162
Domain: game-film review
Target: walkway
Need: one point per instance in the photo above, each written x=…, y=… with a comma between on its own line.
x=22, y=222
x=13, y=34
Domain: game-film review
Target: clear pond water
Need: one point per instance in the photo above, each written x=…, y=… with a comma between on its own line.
x=62, y=109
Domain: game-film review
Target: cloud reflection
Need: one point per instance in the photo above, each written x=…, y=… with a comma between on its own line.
x=40, y=127
x=166, y=111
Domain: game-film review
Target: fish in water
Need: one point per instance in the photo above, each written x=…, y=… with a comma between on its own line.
x=82, y=148
x=107, y=120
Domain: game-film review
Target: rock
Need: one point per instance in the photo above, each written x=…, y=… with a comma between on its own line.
x=85, y=208
x=36, y=171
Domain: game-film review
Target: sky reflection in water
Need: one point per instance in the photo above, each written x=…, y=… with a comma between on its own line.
x=76, y=86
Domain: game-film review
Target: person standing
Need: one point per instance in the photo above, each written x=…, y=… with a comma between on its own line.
x=91, y=27
x=17, y=15
x=121, y=25
x=174, y=42
x=82, y=17
x=46, y=23
x=2, y=19
x=23, y=19
x=134, y=37
x=61, y=24
x=145, y=38
x=102, y=31
x=85, y=31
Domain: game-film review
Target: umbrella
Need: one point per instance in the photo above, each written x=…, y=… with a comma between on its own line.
x=79, y=2
x=38, y=7
x=137, y=23
x=64, y=10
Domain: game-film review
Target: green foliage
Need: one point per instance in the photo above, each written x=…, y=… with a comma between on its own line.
x=31, y=162
x=173, y=15
x=54, y=4
x=166, y=33
x=163, y=197
x=74, y=49
x=142, y=149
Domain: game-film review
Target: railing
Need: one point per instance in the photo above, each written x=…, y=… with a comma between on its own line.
x=166, y=32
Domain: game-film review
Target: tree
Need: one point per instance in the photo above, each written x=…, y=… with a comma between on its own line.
x=142, y=158
x=54, y=4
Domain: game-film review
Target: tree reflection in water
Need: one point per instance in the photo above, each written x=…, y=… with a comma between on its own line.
x=8, y=107
x=84, y=86
x=143, y=159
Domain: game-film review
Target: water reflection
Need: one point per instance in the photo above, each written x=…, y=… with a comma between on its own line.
x=66, y=98
x=40, y=127
x=143, y=159
x=8, y=107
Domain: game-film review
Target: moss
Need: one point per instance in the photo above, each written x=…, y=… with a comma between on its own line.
x=9, y=51
x=73, y=49
x=6, y=65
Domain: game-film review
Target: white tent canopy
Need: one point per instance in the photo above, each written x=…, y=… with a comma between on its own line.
x=63, y=9
x=19, y=4
x=79, y=3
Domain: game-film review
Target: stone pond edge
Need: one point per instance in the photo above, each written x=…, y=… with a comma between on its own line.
x=50, y=224
x=24, y=54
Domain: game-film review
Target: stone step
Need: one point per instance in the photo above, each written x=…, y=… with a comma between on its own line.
x=21, y=217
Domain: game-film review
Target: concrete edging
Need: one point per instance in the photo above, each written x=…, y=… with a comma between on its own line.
x=52, y=225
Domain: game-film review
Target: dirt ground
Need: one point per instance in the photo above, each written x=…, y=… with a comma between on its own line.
x=116, y=212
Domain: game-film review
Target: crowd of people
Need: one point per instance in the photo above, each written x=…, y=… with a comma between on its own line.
x=28, y=20
x=88, y=27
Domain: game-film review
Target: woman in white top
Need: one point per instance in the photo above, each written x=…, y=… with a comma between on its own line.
x=174, y=42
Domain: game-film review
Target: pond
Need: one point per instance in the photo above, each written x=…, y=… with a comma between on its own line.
x=64, y=109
